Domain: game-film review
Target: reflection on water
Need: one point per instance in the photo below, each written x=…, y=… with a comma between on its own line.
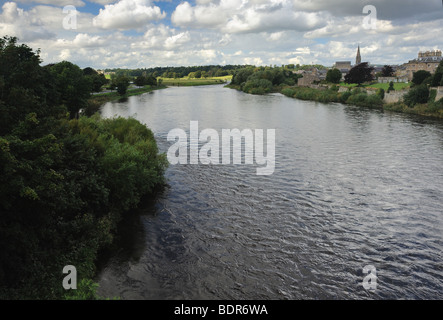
x=352, y=187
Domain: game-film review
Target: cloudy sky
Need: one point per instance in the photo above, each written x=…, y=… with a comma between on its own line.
x=149, y=33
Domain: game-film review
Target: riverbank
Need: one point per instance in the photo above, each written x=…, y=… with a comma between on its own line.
x=97, y=100
x=356, y=96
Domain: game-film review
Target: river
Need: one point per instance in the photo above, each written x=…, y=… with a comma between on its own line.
x=352, y=188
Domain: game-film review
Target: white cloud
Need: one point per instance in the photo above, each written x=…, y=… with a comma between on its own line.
x=128, y=14
x=245, y=16
x=60, y=3
x=22, y=24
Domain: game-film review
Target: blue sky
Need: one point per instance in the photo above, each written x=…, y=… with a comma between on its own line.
x=147, y=33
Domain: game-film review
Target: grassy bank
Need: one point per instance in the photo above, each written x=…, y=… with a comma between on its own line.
x=360, y=98
x=97, y=100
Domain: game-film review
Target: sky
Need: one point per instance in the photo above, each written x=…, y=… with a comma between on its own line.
x=147, y=33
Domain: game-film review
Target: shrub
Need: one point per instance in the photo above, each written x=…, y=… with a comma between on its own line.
x=381, y=93
x=345, y=96
x=258, y=86
x=418, y=94
x=288, y=92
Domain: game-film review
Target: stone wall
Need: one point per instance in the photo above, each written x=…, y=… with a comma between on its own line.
x=394, y=96
x=439, y=93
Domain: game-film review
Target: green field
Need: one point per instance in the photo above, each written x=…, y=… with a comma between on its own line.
x=385, y=86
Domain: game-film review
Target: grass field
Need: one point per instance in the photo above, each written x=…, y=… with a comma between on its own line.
x=385, y=86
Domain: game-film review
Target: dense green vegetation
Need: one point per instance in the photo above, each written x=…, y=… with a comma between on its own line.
x=262, y=80
x=361, y=89
x=179, y=72
x=356, y=96
x=65, y=181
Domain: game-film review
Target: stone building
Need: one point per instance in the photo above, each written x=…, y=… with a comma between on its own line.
x=427, y=61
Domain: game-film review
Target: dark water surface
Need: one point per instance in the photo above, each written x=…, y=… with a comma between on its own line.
x=352, y=187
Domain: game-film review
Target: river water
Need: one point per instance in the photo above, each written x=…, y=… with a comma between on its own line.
x=352, y=187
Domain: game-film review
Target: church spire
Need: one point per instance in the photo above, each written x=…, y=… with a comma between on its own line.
x=358, y=59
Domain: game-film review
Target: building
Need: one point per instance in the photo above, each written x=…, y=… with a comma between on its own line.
x=309, y=77
x=344, y=67
x=358, y=58
x=427, y=61
x=402, y=79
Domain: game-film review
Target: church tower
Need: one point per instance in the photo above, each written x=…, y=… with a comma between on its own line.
x=358, y=59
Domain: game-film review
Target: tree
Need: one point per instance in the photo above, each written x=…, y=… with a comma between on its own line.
x=359, y=74
x=391, y=87
x=140, y=81
x=97, y=80
x=122, y=84
x=74, y=88
x=437, y=79
x=418, y=94
x=333, y=75
x=419, y=76
x=387, y=71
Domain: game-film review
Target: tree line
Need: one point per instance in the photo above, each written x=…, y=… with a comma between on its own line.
x=178, y=72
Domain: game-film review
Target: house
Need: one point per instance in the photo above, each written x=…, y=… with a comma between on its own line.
x=309, y=77
x=427, y=61
x=403, y=79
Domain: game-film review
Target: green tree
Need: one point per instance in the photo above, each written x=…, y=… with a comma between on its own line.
x=387, y=71
x=140, y=81
x=333, y=75
x=25, y=86
x=391, y=87
x=122, y=84
x=419, y=76
x=359, y=74
x=73, y=87
x=418, y=94
x=437, y=78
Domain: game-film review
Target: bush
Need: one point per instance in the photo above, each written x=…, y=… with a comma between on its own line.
x=419, y=76
x=288, y=92
x=257, y=86
x=345, y=96
x=333, y=76
x=418, y=94
x=381, y=93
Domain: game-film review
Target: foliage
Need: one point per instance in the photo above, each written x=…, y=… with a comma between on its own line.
x=387, y=71
x=122, y=84
x=419, y=76
x=418, y=94
x=145, y=81
x=97, y=80
x=359, y=74
x=258, y=86
x=333, y=75
x=391, y=87
x=437, y=78
x=263, y=79
x=72, y=86
x=380, y=93
x=289, y=92
x=65, y=183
